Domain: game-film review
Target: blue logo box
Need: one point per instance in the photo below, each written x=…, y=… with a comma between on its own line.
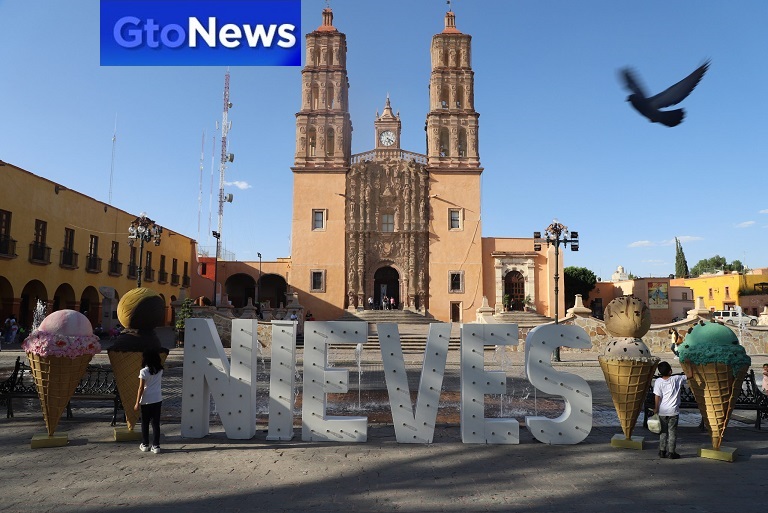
x=200, y=32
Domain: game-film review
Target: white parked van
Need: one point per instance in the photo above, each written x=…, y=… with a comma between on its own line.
x=732, y=317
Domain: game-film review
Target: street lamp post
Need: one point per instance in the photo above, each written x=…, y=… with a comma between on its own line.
x=144, y=230
x=217, y=236
x=258, y=288
x=556, y=234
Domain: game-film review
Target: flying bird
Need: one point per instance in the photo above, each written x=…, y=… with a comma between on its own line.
x=649, y=107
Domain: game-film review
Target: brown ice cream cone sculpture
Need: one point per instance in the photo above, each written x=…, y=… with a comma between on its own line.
x=126, y=367
x=716, y=388
x=627, y=363
x=140, y=311
x=59, y=351
x=628, y=381
x=56, y=378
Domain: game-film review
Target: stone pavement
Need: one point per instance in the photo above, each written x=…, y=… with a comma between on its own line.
x=93, y=473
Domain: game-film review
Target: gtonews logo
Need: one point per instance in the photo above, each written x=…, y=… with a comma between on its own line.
x=200, y=32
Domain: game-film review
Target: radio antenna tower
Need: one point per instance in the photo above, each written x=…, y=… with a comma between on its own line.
x=200, y=192
x=112, y=167
x=225, y=126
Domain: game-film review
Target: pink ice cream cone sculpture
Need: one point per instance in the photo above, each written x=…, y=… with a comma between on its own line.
x=59, y=351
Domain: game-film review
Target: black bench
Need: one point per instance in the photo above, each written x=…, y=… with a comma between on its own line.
x=98, y=384
x=750, y=398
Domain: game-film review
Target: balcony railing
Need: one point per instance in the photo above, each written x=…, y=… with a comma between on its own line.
x=93, y=264
x=174, y=279
x=162, y=276
x=149, y=274
x=185, y=281
x=115, y=268
x=7, y=247
x=68, y=259
x=39, y=253
x=132, y=270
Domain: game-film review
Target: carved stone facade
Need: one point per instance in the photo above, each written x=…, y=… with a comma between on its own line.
x=380, y=191
x=505, y=263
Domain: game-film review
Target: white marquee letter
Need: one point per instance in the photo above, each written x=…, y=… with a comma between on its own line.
x=418, y=427
x=575, y=423
x=282, y=380
x=208, y=372
x=320, y=380
x=476, y=382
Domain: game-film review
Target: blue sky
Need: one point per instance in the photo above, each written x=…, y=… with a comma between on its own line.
x=557, y=138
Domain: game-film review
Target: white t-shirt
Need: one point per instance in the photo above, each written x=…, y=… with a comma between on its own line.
x=669, y=391
x=152, y=386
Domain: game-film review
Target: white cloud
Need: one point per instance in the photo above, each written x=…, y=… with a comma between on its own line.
x=745, y=224
x=764, y=211
x=642, y=244
x=240, y=185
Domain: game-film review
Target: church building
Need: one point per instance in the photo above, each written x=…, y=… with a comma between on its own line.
x=394, y=222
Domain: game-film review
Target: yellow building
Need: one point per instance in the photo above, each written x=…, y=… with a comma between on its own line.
x=71, y=251
x=726, y=291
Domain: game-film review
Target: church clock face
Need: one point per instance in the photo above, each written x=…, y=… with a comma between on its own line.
x=387, y=138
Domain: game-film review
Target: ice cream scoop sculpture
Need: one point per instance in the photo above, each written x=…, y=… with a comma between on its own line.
x=59, y=351
x=140, y=311
x=627, y=363
x=715, y=364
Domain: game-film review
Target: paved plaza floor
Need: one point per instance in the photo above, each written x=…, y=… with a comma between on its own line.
x=94, y=473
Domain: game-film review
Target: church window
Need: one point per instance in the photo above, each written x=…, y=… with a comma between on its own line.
x=459, y=96
x=318, y=219
x=445, y=148
x=444, y=97
x=388, y=223
x=317, y=281
x=315, y=101
x=454, y=218
x=311, y=142
x=456, y=282
x=331, y=97
x=330, y=143
x=462, y=149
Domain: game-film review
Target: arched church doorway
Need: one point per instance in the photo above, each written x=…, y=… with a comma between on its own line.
x=239, y=288
x=32, y=292
x=386, y=282
x=272, y=288
x=514, y=286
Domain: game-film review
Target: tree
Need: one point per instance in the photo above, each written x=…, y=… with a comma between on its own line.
x=715, y=264
x=681, y=264
x=578, y=280
x=185, y=312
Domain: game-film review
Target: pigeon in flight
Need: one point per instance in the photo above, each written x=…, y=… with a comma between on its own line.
x=649, y=107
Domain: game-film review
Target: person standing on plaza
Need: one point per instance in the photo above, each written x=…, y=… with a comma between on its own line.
x=150, y=399
x=370, y=302
x=385, y=303
x=667, y=390
x=392, y=303
x=765, y=378
x=10, y=329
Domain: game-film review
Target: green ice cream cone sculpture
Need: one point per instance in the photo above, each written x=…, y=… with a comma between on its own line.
x=715, y=364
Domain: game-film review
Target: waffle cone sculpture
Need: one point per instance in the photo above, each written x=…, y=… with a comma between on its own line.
x=140, y=311
x=59, y=351
x=126, y=366
x=716, y=387
x=628, y=381
x=627, y=363
x=715, y=364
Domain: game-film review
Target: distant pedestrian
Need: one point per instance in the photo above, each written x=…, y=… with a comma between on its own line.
x=10, y=329
x=370, y=302
x=667, y=390
x=392, y=303
x=150, y=399
x=765, y=378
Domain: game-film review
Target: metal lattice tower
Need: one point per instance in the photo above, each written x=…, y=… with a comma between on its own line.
x=225, y=126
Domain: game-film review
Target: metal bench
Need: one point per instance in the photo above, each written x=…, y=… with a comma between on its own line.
x=97, y=384
x=750, y=398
